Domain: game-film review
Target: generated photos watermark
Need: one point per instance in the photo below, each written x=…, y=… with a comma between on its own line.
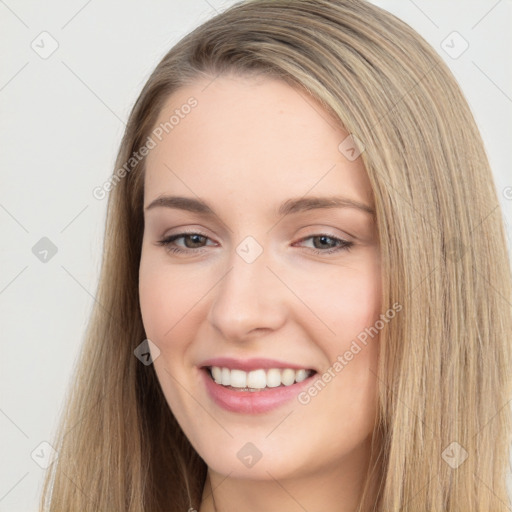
x=100, y=192
x=361, y=340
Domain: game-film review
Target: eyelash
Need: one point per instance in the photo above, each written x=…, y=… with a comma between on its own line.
x=343, y=245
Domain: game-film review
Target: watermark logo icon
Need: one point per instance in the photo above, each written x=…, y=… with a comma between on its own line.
x=44, y=45
x=455, y=249
x=454, y=455
x=454, y=45
x=147, y=352
x=44, y=250
x=249, y=455
x=249, y=249
x=351, y=147
x=44, y=455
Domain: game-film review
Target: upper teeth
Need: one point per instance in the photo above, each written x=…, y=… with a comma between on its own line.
x=258, y=379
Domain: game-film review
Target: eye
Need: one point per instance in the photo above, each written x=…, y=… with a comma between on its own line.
x=324, y=243
x=192, y=242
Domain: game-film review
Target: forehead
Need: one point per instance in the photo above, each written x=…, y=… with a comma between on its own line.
x=247, y=137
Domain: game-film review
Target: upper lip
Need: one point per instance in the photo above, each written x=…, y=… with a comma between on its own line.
x=250, y=364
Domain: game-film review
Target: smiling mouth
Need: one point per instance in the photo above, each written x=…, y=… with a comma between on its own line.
x=257, y=380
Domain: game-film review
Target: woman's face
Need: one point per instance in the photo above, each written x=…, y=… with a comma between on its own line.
x=278, y=269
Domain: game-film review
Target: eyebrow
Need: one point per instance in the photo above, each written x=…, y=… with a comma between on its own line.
x=290, y=206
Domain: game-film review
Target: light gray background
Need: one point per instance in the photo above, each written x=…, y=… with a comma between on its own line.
x=61, y=121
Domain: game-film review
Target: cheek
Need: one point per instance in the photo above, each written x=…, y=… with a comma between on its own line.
x=349, y=305
x=347, y=300
x=156, y=304
x=169, y=299
x=170, y=305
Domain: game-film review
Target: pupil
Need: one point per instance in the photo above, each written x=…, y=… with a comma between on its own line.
x=196, y=239
x=323, y=239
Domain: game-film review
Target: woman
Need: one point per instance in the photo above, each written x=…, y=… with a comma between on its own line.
x=303, y=255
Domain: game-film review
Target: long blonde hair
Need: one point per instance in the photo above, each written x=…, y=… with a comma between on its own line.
x=443, y=376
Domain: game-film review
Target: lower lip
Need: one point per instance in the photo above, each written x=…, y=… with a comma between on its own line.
x=252, y=402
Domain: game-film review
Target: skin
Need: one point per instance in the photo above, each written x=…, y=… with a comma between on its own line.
x=249, y=145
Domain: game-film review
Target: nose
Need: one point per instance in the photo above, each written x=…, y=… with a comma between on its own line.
x=249, y=300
